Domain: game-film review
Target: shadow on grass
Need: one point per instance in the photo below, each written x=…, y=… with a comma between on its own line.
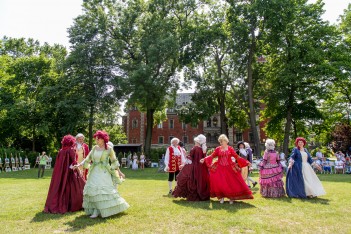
x=83, y=221
x=280, y=199
x=215, y=205
x=42, y=217
x=316, y=200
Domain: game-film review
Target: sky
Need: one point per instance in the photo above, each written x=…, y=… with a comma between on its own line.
x=48, y=20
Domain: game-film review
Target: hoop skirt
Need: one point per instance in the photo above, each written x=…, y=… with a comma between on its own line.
x=66, y=187
x=193, y=180
x=271, y=174
x=100, y=191
x=225, y=176
x=301, y=180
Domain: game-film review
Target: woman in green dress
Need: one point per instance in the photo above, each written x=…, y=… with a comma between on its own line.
x=100, y=195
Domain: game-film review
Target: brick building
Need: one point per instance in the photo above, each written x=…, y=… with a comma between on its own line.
x=134, y=123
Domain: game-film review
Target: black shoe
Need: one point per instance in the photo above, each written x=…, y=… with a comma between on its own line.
x=254, y=184
x=170, y=192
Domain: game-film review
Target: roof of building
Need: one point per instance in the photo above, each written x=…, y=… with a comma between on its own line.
x=128, y=145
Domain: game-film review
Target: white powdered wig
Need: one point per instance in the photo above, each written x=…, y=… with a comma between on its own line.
x=201, y=139
x=80, y=135
x=270, y=144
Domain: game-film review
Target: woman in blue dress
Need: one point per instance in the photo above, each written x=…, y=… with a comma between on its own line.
x=301, y=180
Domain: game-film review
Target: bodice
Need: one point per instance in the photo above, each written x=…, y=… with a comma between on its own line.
x=304, y=156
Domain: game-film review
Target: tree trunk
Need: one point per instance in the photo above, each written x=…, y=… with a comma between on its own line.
x=149, y=125
x=287, y=131
x=252, y=112
x=91, y=123
x=295, y=129
x=223, y=119
x=33, y=141
x=221, y=100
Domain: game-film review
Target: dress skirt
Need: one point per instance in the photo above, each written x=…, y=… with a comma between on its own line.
x=225, y=182
x=100, y=193
x=313, y=186
x=271, y=183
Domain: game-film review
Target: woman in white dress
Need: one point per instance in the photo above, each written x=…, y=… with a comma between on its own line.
x=301, y=180
x=142, y=161
x=135, y=162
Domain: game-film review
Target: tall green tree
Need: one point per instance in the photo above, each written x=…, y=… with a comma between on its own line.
x=31, y=69
x=215, y=70
x=92, y=74
x=297, y=69
x=246, y=27
x=152, y=45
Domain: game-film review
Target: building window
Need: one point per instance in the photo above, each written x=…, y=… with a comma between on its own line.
x=251, y=137
x=134, y=123
x=171, y=123
x=194, y=125
x=171, y=110
x=238, y=136
x=184, y=126
x=170, y=138
x=134, y=141
x=185, y=139
x=215, y=121
x=160, y=125
x=160, y=140
x=208, y=137
x=209, y=123
x=215, y=137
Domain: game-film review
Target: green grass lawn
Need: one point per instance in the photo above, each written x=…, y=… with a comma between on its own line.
x=22, y=199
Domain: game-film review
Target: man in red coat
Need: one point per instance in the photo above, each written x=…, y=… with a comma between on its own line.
x=82, y=151
x=174, y=161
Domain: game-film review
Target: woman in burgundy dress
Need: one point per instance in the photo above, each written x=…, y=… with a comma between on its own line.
x=225, y=174
x=66, y=187
x=193, y=180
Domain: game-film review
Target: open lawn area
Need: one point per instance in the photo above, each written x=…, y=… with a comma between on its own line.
x=22, y=199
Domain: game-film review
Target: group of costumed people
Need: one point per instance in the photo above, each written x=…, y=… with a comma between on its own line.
x=223, y=173
x=86, y=179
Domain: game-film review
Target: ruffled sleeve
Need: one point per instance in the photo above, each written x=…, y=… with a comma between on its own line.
x=113, y=159
x=309, y=158
x=209, y=160
x=88, y=159
x=264, y=160
x=240, y=161
x=292, y=157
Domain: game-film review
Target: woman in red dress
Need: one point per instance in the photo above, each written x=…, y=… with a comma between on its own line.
x=225, y=174
x=193, y=179
x=66, y=187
